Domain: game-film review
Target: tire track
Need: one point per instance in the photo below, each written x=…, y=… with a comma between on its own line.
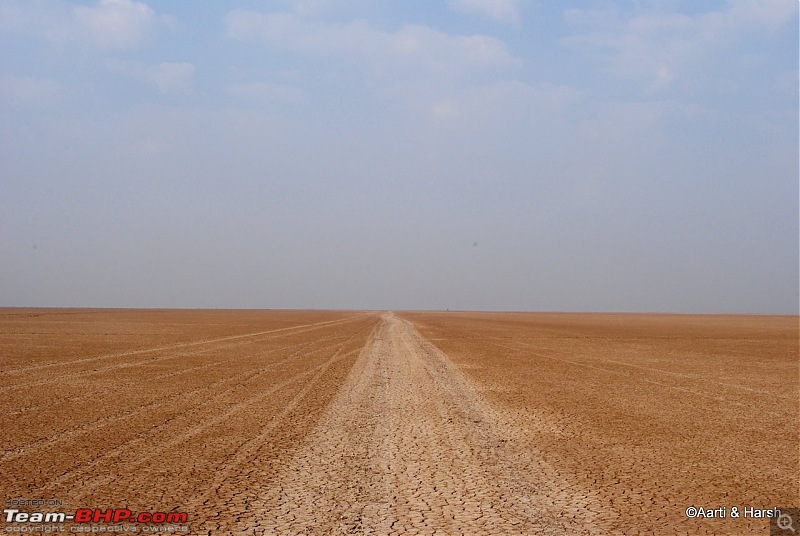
x=246, y=455
x=93, y=393
x=90, y=394
x=245, y=376
x=87, y=486
x=409, y=446
x=524, y=345
x=176, y=346
x=83, y=373
x=702, y=394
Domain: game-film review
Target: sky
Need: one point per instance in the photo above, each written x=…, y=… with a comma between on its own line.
x=366, y=154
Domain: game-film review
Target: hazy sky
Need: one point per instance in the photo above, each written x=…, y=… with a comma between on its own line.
x=462, y=154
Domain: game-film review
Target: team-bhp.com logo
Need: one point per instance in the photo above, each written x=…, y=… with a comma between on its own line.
x=96, y=515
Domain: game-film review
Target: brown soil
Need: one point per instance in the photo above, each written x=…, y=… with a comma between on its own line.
x=291, y=422
x=644, y=415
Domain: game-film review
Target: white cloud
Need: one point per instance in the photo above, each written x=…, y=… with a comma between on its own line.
x=410, y=47
x=658, y=47
x=769, y=14
x=510, y=100
x=499, y=10
x=116, y=23
x=445, y=110
x=317, y=8
x=124, y=24
x=27, y=91
x=32, y=18
x=171, y=77
x=266, y=93
x=167, y=77
x=786, y=83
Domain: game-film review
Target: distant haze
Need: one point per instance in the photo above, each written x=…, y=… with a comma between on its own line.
x=464, y=154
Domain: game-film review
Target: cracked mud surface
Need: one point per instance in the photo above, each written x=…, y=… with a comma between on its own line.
x=406, y=447
x=302, y=422
x=646, y=414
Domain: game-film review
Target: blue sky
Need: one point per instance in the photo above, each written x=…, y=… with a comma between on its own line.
x=463, y=154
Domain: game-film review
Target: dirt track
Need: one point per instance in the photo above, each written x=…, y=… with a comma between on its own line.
x=408, y=446
x=342, y=422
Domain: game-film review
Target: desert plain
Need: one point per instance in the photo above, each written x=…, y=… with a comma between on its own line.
x=339, y=422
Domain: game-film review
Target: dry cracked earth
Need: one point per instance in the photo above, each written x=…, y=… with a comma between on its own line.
x=311, y=422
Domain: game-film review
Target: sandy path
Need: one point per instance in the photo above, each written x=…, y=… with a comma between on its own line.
x=407, y=446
